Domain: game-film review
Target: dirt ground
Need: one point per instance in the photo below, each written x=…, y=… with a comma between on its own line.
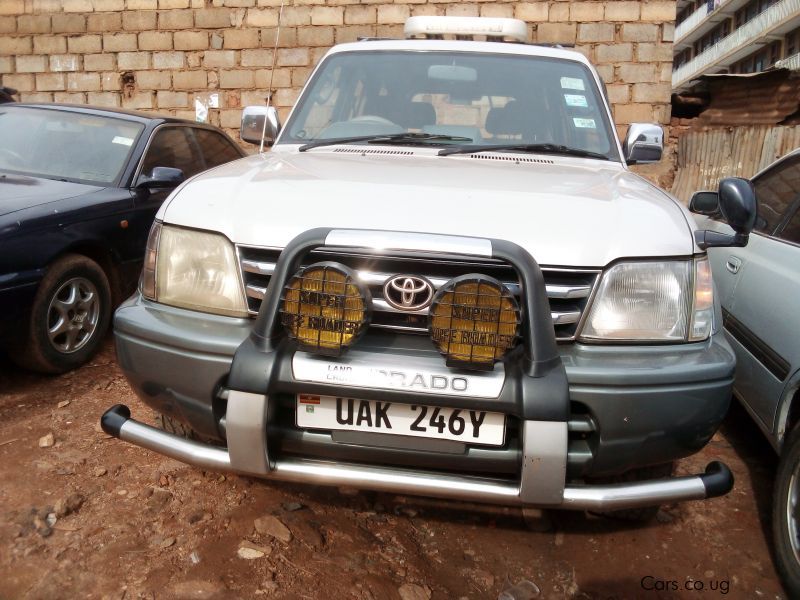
x=92, y=517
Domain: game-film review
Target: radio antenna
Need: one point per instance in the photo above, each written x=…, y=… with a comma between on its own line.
x=271, y=77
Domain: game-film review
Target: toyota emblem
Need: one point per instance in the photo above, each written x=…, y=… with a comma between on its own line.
x=408, y=292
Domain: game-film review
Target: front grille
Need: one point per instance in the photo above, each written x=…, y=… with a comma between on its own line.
x=567, y=289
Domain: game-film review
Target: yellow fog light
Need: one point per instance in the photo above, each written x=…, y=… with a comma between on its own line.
x=473, y=321
x=325, y=308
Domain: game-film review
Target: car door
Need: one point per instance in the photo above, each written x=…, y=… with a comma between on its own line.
x=762, y=319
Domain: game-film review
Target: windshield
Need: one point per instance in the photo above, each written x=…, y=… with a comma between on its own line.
x=65, y=145
x=490, y=99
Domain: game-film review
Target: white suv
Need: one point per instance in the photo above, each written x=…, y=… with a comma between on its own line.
x=442, y=280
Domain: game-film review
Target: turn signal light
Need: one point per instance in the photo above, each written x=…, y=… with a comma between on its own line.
x=325, y=308
x=474, y=321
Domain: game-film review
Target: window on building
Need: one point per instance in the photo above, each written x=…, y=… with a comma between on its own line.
x=792, y=45
x=774, y=53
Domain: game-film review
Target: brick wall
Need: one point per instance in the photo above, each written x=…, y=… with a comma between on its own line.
x=158, y=54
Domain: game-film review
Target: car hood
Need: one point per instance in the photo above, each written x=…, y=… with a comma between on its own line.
x=564, y=211
x=18, y=192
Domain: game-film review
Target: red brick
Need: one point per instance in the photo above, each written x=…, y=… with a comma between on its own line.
x=31, y=23
x=65, y=63
x=190, y=40
x=64, y=23
x=49, y=82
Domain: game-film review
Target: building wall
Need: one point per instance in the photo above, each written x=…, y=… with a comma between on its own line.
x=761, y=57
x=161, y=54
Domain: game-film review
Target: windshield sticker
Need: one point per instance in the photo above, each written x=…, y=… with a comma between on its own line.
x=576, y=100
x=584, y=123
x=125, y=141
x=572, y=83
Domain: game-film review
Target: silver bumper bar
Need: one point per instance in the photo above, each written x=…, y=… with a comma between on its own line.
x=716, y=481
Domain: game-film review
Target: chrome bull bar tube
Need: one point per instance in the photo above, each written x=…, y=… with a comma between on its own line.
x=716, y=481
x=117, y=421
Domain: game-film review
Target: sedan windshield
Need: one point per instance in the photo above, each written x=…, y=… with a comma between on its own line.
x=64, y=145
x=463, y=99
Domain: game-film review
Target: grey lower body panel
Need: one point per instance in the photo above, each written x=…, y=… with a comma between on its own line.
x=647, y=404
x=176, y=360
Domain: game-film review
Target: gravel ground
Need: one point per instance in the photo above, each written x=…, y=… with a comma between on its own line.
x=85, y=515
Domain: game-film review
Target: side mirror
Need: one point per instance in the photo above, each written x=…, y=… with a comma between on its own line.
x=253, y=124
x=644, y=144
x=159, y=178
x=738, y=206
x=705, y=203
x=737, y=202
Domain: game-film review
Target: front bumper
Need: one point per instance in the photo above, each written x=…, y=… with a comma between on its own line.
x=572, y=413
x=716, y=481
x=631, y=407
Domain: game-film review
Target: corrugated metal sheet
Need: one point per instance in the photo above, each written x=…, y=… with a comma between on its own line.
x=767, y=98
x=705, y=157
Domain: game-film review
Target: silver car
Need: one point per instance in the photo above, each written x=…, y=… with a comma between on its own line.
x=759, y=287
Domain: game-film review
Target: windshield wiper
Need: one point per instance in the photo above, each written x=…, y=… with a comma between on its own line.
x=394, y=138
x=540, y=148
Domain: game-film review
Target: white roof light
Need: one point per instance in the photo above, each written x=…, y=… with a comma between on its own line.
x=463, y=26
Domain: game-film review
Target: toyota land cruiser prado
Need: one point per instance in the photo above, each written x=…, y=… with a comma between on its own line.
x=443, y=280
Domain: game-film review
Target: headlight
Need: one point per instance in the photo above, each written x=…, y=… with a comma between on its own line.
x=666, y=301
x=192, y=269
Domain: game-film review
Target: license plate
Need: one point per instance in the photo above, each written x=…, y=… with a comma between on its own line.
x=417, y=420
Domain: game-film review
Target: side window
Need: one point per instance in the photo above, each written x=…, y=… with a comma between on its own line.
x=791, y=233
x=173, y=147
x=776, y=191
x=215, y=147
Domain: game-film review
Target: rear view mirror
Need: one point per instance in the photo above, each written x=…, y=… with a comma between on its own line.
x=705, y=203
x=737, y=205
x=257, y=120
x=644, y=144
x=160, y=177
x=452, y=73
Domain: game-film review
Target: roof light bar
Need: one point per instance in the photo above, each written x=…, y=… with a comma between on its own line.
x=514, y=29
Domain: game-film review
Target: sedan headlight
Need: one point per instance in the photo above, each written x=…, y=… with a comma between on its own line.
x=192, y=269
x=665, y=301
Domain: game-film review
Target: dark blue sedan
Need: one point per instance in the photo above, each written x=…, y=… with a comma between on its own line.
x=79, y=188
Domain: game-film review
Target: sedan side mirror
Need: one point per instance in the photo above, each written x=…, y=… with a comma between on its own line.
x=738, y=206
x=644, y=143
x=159, y=178
x=253, y=124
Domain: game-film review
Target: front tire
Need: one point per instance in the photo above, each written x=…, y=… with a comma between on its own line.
x=175, y=427
x=786, y=515
x=69, y=317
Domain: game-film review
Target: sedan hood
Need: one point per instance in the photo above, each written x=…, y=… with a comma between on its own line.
x=564, y=211
x=18, y=192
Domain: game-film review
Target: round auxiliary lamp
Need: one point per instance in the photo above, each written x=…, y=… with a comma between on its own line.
x=474, y=321
x=325, y=309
